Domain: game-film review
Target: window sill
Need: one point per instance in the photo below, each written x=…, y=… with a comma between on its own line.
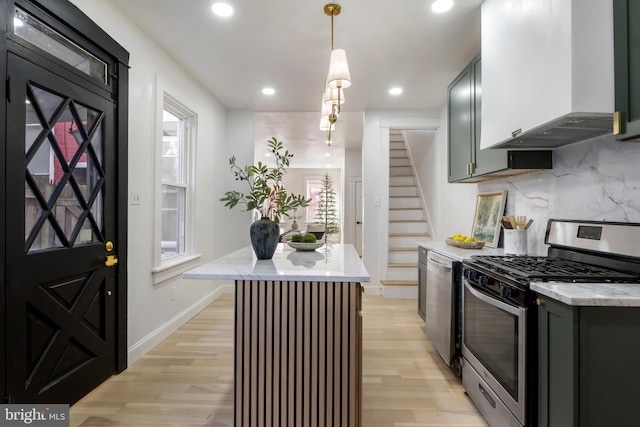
x=174, y=267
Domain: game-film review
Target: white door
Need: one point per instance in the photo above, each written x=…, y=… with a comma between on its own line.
x=358, y=216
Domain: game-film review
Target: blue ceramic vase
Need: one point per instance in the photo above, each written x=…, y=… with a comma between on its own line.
x=264, y=237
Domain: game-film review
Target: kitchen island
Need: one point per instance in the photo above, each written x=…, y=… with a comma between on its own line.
x=298, y=335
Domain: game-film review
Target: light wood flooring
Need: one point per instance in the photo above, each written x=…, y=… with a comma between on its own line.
x=187, y=380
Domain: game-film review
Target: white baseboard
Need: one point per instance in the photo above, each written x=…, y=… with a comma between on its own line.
x=371, y=289
x=400, y=292
x=154, y=338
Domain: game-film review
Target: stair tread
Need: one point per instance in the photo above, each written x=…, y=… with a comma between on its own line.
x=404, y=209
x=402, y=264
x=404, y=249
x=406, y=197
x=399, y=282
x=407, y=234
x=407, y=220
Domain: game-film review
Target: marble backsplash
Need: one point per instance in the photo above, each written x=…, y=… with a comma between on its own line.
x=595, y=180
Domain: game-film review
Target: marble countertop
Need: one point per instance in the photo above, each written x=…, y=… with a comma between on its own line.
x=591, y=294
x=455, y=253
x=332, y=263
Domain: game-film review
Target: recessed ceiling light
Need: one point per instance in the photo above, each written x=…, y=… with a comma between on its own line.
x=222, y=9
x=268, y=91
x=328, y=165
x=440, y=6
x=395, y=91
x=327, y=154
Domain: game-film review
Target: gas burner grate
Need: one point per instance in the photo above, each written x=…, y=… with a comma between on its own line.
x=548, y=268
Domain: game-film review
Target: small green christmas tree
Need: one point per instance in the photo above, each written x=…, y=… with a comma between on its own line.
x=326, y=214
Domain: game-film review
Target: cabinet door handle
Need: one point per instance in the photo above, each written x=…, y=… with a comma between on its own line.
x=617, y=123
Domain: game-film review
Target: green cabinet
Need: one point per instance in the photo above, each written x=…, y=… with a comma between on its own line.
x=466, y=161
x=588, y=365
x=626, y=34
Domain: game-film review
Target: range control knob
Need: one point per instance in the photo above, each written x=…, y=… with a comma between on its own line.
x=505, y=291
x=484, y=280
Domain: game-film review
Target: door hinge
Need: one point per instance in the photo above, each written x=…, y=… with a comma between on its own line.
x=8, y=88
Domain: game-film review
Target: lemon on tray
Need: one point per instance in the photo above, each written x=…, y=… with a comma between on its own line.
x=467, y=242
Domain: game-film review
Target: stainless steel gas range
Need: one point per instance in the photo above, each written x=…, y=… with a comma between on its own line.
x=499, y=336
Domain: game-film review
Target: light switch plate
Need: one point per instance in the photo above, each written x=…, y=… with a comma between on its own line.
x=134, y=197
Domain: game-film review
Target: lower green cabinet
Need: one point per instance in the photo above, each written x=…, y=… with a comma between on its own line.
x=588, y=365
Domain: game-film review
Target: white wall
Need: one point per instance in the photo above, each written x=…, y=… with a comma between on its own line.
x=240, y=134
x=151, y=313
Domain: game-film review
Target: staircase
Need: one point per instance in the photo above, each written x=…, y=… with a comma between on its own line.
x=407, y=223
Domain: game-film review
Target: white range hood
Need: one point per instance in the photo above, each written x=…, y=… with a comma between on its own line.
x=547, y=72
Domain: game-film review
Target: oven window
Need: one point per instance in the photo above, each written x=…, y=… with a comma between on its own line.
x=492, y=336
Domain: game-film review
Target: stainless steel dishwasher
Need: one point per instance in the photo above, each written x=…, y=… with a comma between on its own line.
x=443, y=307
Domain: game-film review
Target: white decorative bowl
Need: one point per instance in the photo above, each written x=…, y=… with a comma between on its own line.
x=305, y=246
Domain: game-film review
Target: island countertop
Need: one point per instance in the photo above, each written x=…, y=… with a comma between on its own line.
x=332, y=263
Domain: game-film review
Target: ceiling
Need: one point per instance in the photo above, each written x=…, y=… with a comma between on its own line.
x=286, y=44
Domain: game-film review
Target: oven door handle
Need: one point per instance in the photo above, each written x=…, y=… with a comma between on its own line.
x=494, y=302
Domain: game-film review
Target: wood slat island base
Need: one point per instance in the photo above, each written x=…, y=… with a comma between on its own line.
x=298, y=353
x=298, y=336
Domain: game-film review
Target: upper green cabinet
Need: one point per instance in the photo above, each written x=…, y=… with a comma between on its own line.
x=626, y=15
x=467, y=162
x=461, y=97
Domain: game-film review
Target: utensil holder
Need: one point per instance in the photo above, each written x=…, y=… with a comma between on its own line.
x=515, y=242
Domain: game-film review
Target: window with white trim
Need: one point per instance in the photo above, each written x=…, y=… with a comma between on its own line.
x=176, y=187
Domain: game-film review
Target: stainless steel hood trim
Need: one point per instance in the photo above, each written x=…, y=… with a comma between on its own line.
x=568, y=129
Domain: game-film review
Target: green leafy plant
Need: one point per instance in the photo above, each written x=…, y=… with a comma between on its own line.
x=266, y=187
x=304, y=238
x=327, y=214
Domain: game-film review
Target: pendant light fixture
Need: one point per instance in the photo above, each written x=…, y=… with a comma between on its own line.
x=338, y=79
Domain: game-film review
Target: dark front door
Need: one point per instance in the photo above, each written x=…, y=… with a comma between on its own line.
x=60, y=214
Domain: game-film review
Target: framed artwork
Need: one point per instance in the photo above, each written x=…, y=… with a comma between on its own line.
x=486, y=221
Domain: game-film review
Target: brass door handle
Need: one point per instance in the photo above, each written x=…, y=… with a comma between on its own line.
x=111, y=261
x=617, y=123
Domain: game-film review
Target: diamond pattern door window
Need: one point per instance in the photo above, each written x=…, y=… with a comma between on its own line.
x=64, y=173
